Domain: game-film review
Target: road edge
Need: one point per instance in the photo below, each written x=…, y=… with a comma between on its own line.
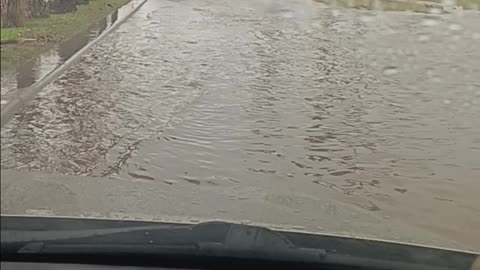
x=27, y=94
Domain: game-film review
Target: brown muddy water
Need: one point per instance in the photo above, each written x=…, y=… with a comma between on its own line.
x=379, y=111
x=31, y=71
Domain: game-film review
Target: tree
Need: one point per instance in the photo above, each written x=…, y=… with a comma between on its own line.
x=3, y=11
x=37, y=8
x=62, y=6
x=13, y=13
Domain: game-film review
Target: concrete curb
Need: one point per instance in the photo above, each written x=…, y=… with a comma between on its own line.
x=27, y=94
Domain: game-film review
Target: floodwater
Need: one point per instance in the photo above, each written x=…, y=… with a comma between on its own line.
x=31, y=71
x=379, y=111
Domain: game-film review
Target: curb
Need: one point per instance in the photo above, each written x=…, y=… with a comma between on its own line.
x=29, y=93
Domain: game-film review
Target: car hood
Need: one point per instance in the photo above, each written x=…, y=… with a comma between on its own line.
x=97, y=237
x=33, y=194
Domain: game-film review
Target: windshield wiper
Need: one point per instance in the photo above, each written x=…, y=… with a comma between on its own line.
x=223, y=240
x=212, y=238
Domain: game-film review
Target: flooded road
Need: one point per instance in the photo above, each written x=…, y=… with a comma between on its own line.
x=378, y=111
x=36, y=69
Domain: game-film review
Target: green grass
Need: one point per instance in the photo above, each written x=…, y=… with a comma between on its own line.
x=385, y=5
x=399, y=5
x=466, y=4
x=51, y=30
x=9, y=34
x=469, y=4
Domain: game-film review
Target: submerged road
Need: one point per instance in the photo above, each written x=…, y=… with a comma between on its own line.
x=290, y=102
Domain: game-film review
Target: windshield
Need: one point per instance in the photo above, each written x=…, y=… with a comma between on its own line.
x=357, y=118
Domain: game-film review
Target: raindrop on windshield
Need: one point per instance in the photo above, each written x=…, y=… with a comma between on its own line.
x=365, y=18
x=455, y=27
x=436, y=10
x=456, y=38
x=429, y=22
x=423, y=38
x=389, y=71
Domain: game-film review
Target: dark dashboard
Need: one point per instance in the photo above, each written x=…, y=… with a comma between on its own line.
x=61, y=266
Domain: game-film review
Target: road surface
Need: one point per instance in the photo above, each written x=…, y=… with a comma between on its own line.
x=281, y=112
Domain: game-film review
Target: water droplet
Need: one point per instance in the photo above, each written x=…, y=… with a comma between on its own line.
x=3, y=102
x=423, y=38
x=430, y=72
x=150, y=241
x=389, y=71
x=436, y=79
x=456, y=37
x=429, y=22
x=436, y=10
x=366, y=18
x=455, y=27
x=446, y=101
x=288, y=15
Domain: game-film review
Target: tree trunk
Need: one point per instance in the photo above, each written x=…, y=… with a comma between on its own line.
x=14, y=13
x=62, y=6
x=3, y=12
x=38, y=8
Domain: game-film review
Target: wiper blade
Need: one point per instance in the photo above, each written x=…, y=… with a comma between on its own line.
x=215, y=239
x=16, y=236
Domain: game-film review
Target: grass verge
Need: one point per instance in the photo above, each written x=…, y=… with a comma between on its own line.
x=469, y=4
x=9, y=34
x=38, y=35
x=399, y=5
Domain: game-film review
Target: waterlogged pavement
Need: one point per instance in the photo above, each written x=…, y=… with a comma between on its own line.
x=279, y=112
x=34, y=70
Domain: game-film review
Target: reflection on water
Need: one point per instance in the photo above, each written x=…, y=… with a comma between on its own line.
x=29, y=72
x=263, y=96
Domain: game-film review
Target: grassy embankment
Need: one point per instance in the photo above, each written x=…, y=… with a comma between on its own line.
x=38, y=35
x=400, y=5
